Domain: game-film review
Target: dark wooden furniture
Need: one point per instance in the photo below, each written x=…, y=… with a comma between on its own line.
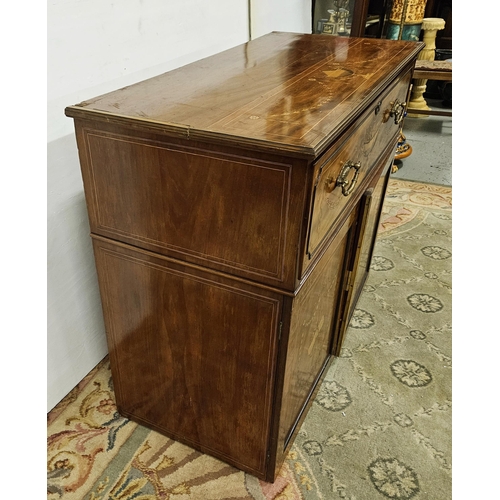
x=233, y=206
x=368, y=18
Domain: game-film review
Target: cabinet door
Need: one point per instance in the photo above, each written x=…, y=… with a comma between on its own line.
x=193, y=354
x=370, y=208
x=313, y=315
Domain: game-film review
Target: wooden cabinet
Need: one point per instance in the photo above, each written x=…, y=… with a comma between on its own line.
x=233, y=206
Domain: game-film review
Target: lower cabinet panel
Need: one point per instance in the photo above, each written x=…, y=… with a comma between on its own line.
x=313, y=318
x=202, y=357
x=193, y=354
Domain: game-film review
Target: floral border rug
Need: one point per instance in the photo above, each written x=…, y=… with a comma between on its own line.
x=380, y=426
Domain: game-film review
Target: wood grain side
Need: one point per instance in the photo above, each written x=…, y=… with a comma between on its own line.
x=192, y=355
x=238, y=213
x=281, y=92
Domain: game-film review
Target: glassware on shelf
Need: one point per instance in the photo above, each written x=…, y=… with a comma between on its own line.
x=330, y=27
x=337, y=21
x=342, y=21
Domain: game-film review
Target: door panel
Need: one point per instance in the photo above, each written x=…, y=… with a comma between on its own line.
x=370, y=208
x=314, y=311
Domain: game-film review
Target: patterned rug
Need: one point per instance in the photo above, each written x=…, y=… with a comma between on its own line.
x=380, y=426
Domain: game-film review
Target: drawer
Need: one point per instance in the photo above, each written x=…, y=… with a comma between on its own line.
x=341, y=170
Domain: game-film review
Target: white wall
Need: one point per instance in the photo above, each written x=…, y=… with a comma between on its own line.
x=93, y=47
x=280, y=15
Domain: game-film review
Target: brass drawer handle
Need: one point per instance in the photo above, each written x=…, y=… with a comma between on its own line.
x=397, y=111
x=347, y=188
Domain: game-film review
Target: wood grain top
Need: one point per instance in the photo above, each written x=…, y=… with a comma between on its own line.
x=280, y=92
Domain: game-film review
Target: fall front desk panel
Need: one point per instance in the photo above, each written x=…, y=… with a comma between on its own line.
x=233, y=218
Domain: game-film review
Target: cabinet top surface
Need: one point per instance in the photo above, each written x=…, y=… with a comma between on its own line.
x=282, y=92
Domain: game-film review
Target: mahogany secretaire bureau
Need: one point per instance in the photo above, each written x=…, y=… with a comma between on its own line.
x=233, y=207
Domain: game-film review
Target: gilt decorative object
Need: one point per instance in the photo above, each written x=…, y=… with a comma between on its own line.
x=405, y=23
x=405, y=19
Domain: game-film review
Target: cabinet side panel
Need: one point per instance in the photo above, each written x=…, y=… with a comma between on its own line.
x=192, y=354
x=189, y=203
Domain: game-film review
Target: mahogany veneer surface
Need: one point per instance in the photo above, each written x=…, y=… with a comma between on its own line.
x=282, y=91
x=228, y=254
